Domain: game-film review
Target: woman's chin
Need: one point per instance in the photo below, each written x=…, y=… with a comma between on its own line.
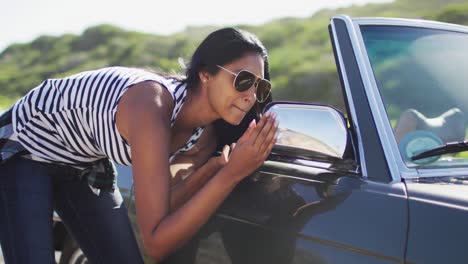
x=234, y=120
x=234, y=116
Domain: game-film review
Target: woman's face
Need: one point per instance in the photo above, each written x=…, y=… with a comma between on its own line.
x=225, y=100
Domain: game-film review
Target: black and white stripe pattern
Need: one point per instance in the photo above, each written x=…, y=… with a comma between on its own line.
x=72, y=120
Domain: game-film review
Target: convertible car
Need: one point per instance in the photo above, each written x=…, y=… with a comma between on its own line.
x=384, y=180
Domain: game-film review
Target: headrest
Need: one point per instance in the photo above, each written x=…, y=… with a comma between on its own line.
x=449, y=126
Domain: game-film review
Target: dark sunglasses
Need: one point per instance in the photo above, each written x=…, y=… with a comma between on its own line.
x=244, y=80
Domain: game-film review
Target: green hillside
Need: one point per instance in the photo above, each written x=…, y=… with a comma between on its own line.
x=299, y=49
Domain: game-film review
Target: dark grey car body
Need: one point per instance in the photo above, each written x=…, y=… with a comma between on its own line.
x=299, y=210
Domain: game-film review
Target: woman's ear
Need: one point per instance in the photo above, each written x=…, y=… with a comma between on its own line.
x=204, y=76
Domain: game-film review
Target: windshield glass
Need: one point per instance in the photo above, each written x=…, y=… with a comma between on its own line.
x=422, y=76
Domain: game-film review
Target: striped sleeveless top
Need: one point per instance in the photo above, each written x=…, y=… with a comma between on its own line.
x=72, y=120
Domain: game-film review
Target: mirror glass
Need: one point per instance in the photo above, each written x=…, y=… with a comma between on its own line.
x=315, y=128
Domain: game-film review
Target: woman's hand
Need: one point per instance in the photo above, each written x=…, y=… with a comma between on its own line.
x=251, y=149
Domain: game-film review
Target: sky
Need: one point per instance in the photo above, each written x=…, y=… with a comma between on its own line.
x=22, y=21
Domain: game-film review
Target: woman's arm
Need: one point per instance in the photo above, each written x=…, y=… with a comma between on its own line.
x=196, y=166
x=146, y=110
x=183, y=190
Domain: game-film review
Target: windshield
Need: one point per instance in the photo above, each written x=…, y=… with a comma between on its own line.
x=422, y=76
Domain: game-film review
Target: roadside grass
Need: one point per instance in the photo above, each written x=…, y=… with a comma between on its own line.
x=6, y=102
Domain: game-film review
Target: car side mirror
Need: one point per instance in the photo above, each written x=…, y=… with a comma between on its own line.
x=310, y=131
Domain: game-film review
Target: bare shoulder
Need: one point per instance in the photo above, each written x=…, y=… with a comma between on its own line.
x=143, y=98
x=148, y=92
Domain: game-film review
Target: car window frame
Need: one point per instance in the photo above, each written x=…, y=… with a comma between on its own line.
x=370, y=155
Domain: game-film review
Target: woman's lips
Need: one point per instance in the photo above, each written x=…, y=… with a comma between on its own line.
x=240, y=109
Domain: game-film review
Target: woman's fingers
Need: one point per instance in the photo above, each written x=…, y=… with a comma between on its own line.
x=266, y=130
x=270, y=138
x=226, y=151
x=224, y=157
x=269, y=147
x=247, y=134
x=233, y=146
x=259, y=127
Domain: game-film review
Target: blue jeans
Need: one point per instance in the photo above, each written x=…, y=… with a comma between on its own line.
x=29, y=193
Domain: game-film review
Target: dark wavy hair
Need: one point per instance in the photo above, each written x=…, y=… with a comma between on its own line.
x=221, y=47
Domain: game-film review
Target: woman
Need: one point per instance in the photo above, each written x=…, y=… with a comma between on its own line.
x=162, y=126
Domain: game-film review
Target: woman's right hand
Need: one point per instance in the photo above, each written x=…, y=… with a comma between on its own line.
x=252, y=148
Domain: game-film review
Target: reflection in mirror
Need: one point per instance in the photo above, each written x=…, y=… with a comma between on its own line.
x=311, y=128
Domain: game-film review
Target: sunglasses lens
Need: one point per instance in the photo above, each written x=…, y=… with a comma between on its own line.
x=244, y=81
x=263, y=90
